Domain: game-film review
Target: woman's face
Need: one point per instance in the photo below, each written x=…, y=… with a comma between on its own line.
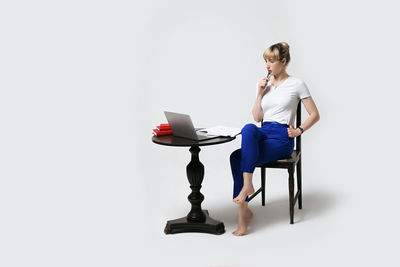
x=275, y=66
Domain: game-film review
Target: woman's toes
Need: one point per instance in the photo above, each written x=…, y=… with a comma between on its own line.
x=237, y=200
x=238, y=233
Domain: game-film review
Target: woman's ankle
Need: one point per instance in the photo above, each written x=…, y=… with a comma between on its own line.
x=248, y=186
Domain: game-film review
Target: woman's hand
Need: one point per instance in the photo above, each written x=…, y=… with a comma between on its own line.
x=262, y=89
x=293, y=132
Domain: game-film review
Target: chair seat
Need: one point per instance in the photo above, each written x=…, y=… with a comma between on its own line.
x=283, y=163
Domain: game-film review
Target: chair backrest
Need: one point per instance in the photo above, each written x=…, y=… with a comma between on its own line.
x=298, y=123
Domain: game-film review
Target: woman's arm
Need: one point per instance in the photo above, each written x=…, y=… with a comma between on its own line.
x=312, y=110
x=257, y=111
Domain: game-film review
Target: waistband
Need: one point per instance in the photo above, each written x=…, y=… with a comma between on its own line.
x=274, y=123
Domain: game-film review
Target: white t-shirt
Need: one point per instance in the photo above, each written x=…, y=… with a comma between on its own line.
x=280, y=103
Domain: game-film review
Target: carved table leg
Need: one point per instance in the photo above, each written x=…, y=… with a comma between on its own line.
x=197, y=219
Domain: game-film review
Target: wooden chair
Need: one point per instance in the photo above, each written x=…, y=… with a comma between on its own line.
x=290, y=164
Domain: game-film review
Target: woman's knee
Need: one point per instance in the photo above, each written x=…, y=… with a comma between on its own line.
x=249, y=128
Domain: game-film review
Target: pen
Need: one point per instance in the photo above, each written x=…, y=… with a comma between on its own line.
x=267, y=80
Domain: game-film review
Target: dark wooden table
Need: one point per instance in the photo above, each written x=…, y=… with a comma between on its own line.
x=197, y=219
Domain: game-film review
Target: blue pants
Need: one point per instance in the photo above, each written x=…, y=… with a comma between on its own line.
x=260, y=145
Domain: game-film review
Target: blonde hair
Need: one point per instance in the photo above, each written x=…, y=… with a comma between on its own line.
x=278, y=51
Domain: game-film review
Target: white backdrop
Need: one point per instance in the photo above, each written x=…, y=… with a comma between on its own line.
x=83, y=83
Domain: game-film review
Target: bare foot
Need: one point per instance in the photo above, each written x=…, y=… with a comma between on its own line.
x=245, y=216
x=243, y=194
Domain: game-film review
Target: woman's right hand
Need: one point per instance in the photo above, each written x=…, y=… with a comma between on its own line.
x=262, y=86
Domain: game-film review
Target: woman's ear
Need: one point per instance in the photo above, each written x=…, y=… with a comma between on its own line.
x=283, y=61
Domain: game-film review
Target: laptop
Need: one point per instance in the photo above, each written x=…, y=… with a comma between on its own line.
x=182, y=126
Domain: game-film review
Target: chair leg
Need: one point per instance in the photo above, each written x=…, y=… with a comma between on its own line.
x=298, y=171
x=263, y=186
x=291, y=193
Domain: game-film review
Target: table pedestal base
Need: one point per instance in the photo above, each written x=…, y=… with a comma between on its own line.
x=197, y=219
x=182, y=225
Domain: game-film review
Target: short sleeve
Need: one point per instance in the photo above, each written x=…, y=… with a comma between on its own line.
x=303, y=91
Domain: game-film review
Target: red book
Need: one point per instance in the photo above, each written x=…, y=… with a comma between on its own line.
x=163, y=132
x=163, y=127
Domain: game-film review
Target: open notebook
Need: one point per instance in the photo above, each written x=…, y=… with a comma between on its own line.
x=221, y=131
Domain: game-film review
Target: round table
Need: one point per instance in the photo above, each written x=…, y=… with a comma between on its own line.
x=197, y=219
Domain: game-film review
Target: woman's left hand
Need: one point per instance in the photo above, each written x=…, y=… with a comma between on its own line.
x=293, y=132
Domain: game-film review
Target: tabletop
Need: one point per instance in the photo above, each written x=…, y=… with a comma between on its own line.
x=170, y=140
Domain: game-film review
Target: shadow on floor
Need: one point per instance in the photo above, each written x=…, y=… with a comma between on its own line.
x=276, y=211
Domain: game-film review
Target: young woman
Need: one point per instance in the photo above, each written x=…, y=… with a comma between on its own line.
x=275, y=105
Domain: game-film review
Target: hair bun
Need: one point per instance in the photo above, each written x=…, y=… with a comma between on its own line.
x=285, y=44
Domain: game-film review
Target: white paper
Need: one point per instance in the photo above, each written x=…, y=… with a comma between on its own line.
x=221, y=131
